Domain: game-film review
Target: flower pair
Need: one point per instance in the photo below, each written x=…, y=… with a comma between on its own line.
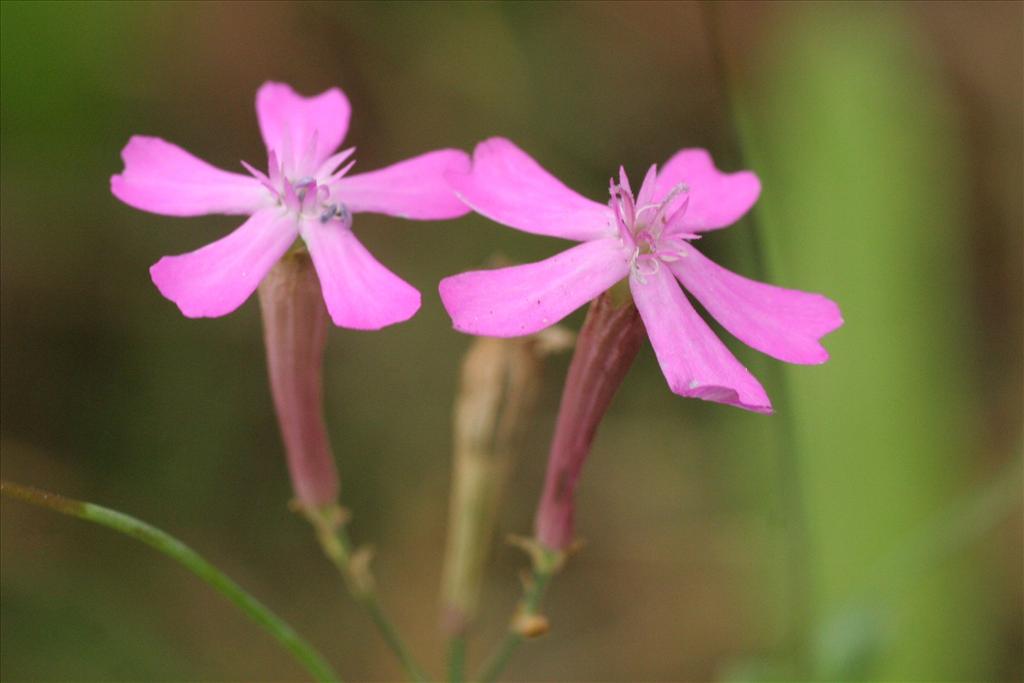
x=644, y=236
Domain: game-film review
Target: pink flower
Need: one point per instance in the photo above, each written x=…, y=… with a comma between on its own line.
x=647, y=238
x=304, y=194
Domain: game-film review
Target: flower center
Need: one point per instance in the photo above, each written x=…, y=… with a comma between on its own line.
x=310, y=199
x=653, y=229
x=308, y=196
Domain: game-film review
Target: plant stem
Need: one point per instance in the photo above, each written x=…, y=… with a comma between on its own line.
x=303, y=652
x=354, y=566
x=528, y=622
x=457, y=659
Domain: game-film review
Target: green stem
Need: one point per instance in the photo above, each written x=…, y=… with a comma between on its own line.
x=527, y=623
x=353, y=565
x=457, y=659
x=172, y=547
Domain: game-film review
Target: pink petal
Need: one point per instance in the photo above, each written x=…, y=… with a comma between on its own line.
x=415, y=188
x=784, y=323
x=510, y=302
x=695, y=362
x=218, y=278
x=509, y=187
x=717, y=199
x=648, y=188
x=290, y=121
x=360, y=293
x=163, y=178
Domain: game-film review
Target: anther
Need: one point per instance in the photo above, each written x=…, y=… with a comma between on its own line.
x=342, y=213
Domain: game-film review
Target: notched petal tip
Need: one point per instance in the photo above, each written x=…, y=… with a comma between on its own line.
x=161, y=177
x=832, y=319
x=291, y=123
x=280, y=88
x=717, y=199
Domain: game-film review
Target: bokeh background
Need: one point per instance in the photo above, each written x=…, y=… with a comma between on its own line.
x=869, y=530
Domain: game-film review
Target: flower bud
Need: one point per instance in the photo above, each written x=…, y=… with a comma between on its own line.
x=497, y=394
x=295, y=330
x=607, y=344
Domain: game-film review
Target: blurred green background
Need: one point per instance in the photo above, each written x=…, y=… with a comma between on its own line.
x=869, y=530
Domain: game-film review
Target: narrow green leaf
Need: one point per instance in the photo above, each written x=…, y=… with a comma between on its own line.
x=303, y=652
